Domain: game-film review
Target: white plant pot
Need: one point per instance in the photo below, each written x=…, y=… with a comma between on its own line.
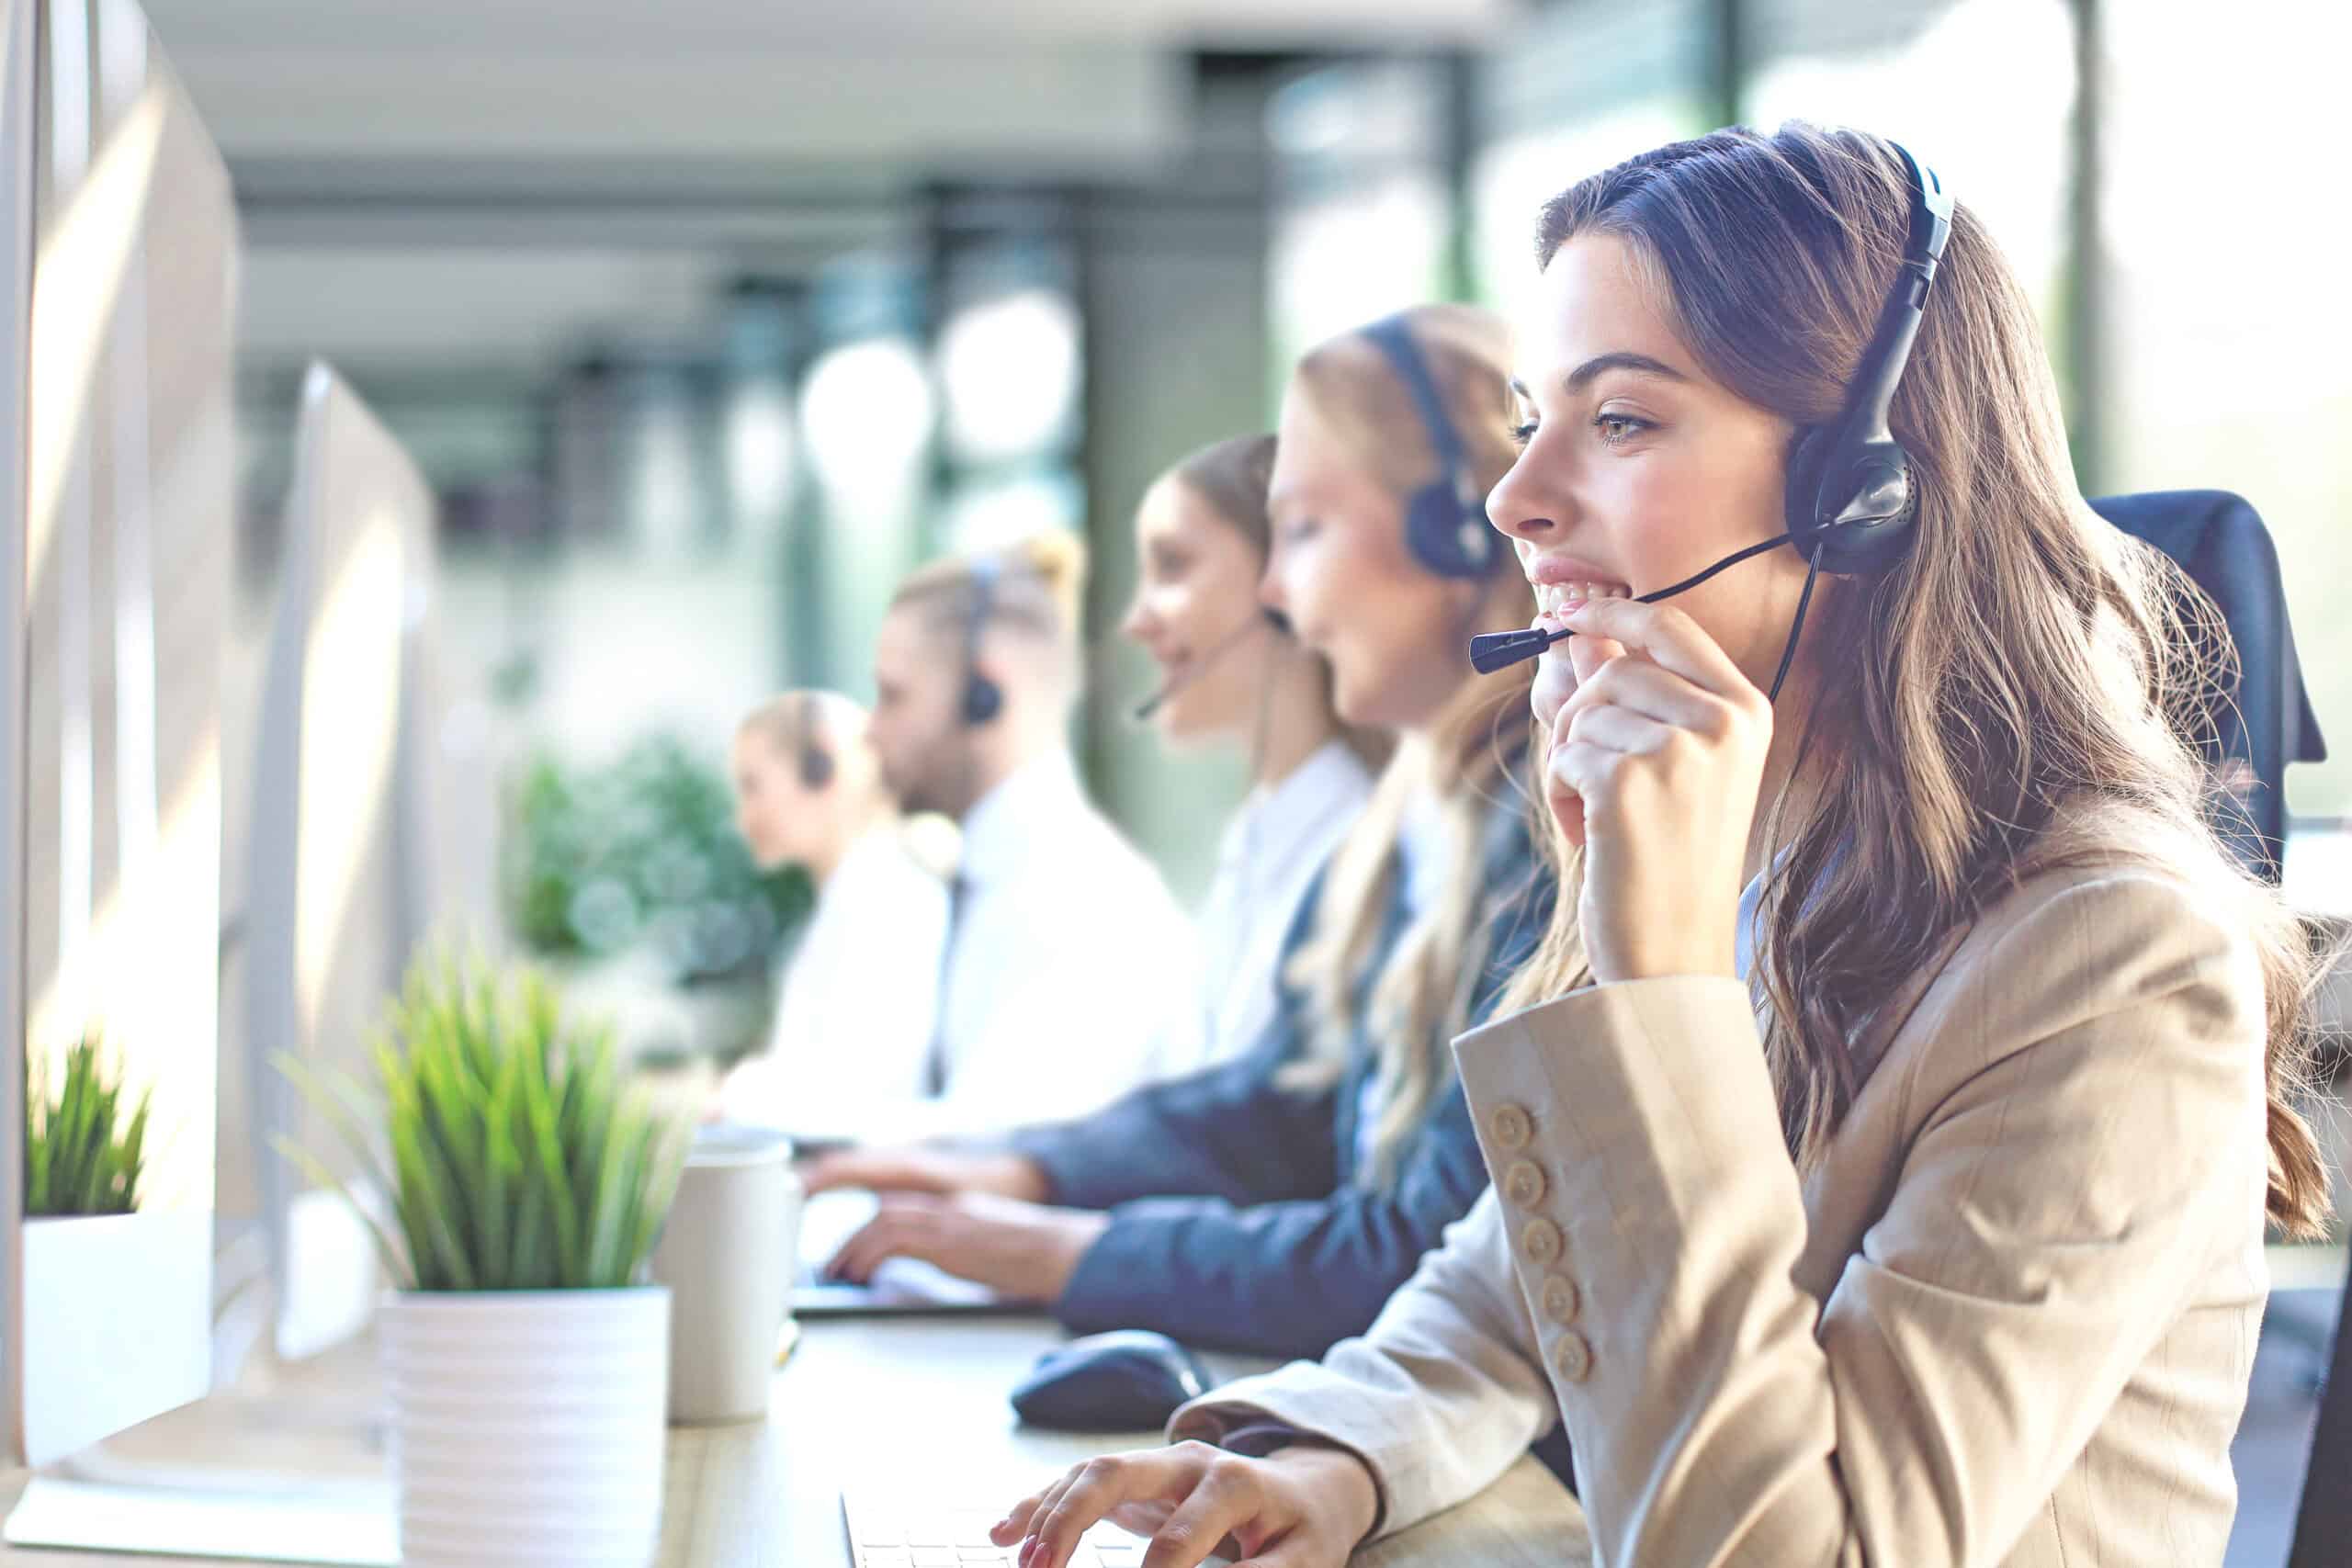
x=527, y=1426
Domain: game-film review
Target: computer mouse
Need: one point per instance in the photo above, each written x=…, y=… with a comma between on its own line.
x=1127, y=1381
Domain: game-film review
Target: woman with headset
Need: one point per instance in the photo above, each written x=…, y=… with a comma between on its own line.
x=1272, y=1203
x=809, y=791
x=1885, y=1143
x=1231, y=673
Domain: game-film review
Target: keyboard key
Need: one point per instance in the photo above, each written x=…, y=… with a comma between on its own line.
x=936, y=1557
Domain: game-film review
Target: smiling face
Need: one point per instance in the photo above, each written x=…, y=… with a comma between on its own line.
x=1636, y=468
x=1391, y=630
x=1196, y=612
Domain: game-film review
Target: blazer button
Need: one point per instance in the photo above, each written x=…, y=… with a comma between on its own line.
x=1510, y=1126
x=1561, y=1299
x=1571, y=1357
x=1541, y=1241
x=1523, y=1184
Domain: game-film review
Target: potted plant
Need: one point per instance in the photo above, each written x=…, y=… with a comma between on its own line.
x=526, y=1354
x=82, y=1157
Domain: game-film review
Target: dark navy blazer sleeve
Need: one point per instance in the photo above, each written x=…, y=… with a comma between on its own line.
x=1285, y=1273
x=1231, y=1132
x=1288, y=1278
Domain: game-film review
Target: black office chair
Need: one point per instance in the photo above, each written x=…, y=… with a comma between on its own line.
x=2324, y=1523
x=2268, y=722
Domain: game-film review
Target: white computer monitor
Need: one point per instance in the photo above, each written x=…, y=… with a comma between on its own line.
x=120, y=286
x=337, y=831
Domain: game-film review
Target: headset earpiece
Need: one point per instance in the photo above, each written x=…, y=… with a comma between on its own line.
x=1857, y=517
x=981, y=699
x=816, y=768
x=811, y=761
x=1445, y=521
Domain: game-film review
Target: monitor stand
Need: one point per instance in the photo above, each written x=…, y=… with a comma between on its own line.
x=328, y=1522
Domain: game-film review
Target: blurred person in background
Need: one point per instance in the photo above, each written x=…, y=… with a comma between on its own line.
x=1070, y=971
x=809, y=791
x=1884, y=1151
x=1232, y=673
x=1272, y=1204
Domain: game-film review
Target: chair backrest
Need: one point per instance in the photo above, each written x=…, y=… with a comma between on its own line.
x=2323, y=1524
x=2268, y=722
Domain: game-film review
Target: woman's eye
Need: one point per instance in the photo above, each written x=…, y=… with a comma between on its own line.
x=1618, y=428
x=1521, y=434
x=1299, y=530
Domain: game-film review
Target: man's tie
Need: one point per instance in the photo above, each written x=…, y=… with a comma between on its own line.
x=934, y=1065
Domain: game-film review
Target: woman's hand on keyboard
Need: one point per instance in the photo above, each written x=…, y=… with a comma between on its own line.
x=926, y=1170
x=1025, y=1252
x=1304, y=1506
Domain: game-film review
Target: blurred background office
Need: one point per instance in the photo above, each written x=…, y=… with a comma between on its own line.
x=704, y=327
x=704, y=323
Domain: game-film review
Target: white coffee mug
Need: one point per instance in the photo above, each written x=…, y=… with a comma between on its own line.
x=728, y=1254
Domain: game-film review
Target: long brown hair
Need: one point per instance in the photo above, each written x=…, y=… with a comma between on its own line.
x=2025, y=655
x=1421, y=995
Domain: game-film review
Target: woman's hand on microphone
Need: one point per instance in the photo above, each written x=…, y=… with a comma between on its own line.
x=1656, y=759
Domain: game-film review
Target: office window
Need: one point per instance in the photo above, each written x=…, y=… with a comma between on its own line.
x=2231, y=356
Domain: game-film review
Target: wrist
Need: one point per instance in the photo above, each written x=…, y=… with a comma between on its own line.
x=1012, y=1176
x=1075, y=1233
x=1341, y=1483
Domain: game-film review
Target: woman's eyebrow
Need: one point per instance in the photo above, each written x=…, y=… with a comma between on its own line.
x=1578, y=379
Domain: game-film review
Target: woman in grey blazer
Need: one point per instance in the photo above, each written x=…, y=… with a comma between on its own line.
x=1885, y=1137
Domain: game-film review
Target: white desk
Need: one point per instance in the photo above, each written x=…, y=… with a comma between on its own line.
x=919, y=1399
x=924, y=1400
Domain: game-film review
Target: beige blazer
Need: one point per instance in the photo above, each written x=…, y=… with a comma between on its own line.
x=2008, y=1320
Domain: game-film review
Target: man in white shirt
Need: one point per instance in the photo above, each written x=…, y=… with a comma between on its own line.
x=1070, y=973
x=857, y=1009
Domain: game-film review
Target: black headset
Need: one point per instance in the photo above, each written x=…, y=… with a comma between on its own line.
x=982, y=699
x=1445, y=521
x=814, y=762
x=1850, y=501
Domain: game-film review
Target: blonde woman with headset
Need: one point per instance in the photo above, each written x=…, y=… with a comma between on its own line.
x=809, y=791
x=1272, y=1203
x=1884, y=1148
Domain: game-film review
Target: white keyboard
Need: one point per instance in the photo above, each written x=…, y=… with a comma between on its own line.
x=886, y=1533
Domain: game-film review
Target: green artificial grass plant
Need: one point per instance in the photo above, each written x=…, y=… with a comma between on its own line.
x=81, y=1158
x=519, y=1159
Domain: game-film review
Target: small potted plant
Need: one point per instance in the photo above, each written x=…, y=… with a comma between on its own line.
x=81, y=1156
x=526, y=1354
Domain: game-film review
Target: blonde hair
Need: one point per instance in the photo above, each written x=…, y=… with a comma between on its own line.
x=1424, y=990
x=2025, y=656
x=803, y=717
x=1035, y=589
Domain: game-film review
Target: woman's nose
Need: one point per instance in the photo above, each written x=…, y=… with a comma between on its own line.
x=1270, y=592
x=1518, y=508
x=1131, y=624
